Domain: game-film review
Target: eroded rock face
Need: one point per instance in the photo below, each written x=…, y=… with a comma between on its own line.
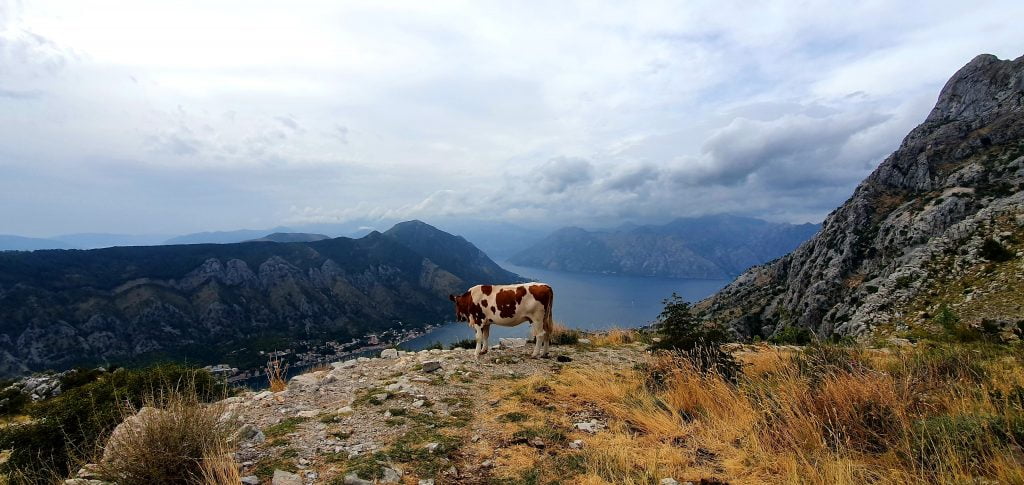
x=940, y=191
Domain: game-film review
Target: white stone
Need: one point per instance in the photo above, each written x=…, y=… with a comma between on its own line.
x=251, y=480
x=389, y=354
x=282, y=477
x=584, y=341
x=418, y=403
x=432, y=447
x=263, y=395
x=345, y=410
x=576, y=444
x=312, y=413
x=511, y=343
x=668, y=481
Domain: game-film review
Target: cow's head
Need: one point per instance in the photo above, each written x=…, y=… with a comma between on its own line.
x=461, y=306
x=467, y=310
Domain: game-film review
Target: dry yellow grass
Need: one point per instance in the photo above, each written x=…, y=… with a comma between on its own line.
x=277, y=371
x=832, y=416
x=615, y=336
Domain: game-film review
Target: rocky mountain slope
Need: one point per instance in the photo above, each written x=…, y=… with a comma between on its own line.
x=64, y=308
x=947, y=206
x=716, y=246
x=454, y=253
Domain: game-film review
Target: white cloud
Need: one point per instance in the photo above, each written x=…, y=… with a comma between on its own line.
x=256, y=112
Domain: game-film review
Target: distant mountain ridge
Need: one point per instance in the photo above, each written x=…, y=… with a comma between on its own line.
x=715, y=246
x=287, y=237
x=60, y=308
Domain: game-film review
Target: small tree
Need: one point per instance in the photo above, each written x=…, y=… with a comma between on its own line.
x=681, y=330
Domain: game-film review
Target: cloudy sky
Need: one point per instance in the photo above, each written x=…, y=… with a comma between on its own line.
x=171, y=117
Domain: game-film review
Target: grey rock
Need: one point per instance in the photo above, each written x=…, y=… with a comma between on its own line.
x=391, y=475
x=918, y=205
x=511, y=343
x=591, y=426
x=282, y=477
x=432, y=447
x=431, y=365
x=426, y=481
x=668, y=481
x=576, y=444
x=353, y=479
x=389, y=354
x=251, y=480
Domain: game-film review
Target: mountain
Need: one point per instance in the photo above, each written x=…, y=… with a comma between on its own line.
x=454, y=253
x=10, y=242
x=936, y=228
x=716, y=246
x=224, y=237
x=286, y=237
x=61, y=308
x=92, y=240
x=498, y=239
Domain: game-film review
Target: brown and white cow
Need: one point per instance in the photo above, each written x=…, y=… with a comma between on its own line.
x=508, y=306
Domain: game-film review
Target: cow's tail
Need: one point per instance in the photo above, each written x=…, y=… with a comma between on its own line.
x=549, y=321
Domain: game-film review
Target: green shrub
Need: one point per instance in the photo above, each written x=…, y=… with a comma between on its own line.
x=821, y=359
x=993, y=251
x=435, y=345
x=790, y=335
x=466, y=343
x=75, y=424
x=682, y=331
x=12, y=401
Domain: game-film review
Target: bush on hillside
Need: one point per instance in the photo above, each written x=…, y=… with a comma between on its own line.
x=992, y=250
x=174, y=440
x=71, y=427
x=790, y=335
x=680, y=330
x=466, y=343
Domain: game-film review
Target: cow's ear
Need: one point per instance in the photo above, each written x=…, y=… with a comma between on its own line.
x=451, y=297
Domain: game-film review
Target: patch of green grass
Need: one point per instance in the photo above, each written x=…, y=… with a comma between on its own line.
x=264, y=468
x=365, y=397
x=367, y=466
x=548, y=434
x=330, y=418
x=287, y=425
x=289, y=453
x=411, y=449
x=513, y=417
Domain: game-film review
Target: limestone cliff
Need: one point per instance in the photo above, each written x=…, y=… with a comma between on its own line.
x=951, y=189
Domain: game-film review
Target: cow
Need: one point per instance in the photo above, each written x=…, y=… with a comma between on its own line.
x=508, y=306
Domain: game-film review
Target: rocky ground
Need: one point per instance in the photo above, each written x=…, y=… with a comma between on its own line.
x=402, y=418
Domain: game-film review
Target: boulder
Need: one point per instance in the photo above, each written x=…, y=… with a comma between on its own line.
x=282, y=477
x=511, y=343
x=389, y=354
x=353, y=479
x=431, y=365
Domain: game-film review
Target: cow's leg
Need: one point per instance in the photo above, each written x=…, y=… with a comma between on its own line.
x=538, y=336
x=547, y=343
x=479, y=340
x=487, y=334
